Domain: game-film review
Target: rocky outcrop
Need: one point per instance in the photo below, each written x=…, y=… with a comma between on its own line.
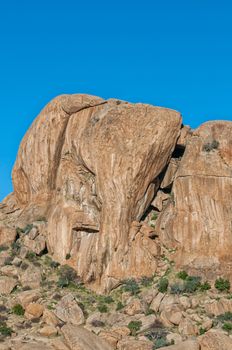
x=91, y=168
x=107, y=186
x=197, y=220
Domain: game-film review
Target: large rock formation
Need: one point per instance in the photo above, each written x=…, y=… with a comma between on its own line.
x=94, y=171
x=198, y=219
x=91, y=168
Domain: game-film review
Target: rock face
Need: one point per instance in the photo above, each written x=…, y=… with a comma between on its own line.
x=92, y=168
x=90, y=172
x=197, y=221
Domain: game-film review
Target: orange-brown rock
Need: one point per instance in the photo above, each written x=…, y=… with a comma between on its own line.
x=215, y=340
x=91, y=168
x=198, y=219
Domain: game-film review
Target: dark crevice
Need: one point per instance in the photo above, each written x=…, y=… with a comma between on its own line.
x=85, y=229
x=146, y=213
x=178, y=152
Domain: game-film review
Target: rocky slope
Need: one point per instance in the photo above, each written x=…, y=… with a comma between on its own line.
x=125, y=197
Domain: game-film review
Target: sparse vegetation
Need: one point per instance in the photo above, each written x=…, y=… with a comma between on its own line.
x=18, y=310
x=177, y=288
x=227, y=326
x=134, y=327
x=5, y=331
x=131, y=286
x=222, y=284
x=202, y=331
x=146, y=281
x=163, y=285
x=161, y=342
x=102, y=308
x=182, y=275
x=67, y=277
x=119, y=306
x=154, y=216
x=227, y=316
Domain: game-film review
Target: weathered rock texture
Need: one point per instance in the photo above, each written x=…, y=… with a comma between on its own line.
x=94, y=170
x=92, y=167
x=198, y=219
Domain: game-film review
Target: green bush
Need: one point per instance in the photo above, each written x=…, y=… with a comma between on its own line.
x=134, y=327
x=161, y=342
x=68, y=256
x=108, y=299
x=202, y=331
x=5, y=330
x=204, y=286
x=222, y=284
x=131, y=286
x=154, y=216
x=227, y=316
x=182, y=275
x=227, y=326
x=31, y=256
x=119, y=306
x=192, y=284
x=18, y=310
x=102, y=308
x=163, y=285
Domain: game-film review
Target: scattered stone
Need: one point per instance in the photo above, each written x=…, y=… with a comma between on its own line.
x=187, y=327
x=80, y=338
x=48, y=331
x=218, y=307
x=26, y=297
x=50, y=318
x=134, y=307
x=156, y=302
x=7, y=284
x=31, y=277
x=34, y=311
x=67, y=310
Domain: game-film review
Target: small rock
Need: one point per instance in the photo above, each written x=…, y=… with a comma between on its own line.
x=134, y=307
x=156, y=302
x=31, y=277
x=27, y=297
x=110, y=337
x=187, y=327
x=48, y=331
x=33, y=311
x=9, y=270
x=50, y=318
x=16, y=261
x=7, y=284
x=68, y=310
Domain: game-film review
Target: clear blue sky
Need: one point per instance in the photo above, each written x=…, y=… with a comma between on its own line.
x=173, y=53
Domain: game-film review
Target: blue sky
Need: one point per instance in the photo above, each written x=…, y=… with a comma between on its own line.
x=176, y=54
